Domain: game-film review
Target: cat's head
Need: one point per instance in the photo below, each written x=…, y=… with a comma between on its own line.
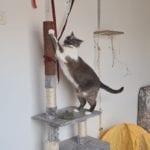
x=71, y=40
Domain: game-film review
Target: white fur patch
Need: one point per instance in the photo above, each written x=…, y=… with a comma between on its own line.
x=84, y=94
x=87, y=113
x=51, y=31
x=67, y=73
x=68, y=51
x=76, y=110
x=61, y=57
x=73, y=54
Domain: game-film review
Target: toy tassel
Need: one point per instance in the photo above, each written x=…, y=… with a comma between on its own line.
x=54, y=16
x=34, y=5
x=63, y=29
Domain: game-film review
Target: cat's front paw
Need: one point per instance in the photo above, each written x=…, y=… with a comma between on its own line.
x=76, y=110
x=51, y=31
x=88, y=112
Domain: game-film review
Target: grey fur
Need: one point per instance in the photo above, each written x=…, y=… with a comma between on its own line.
x=72, y=40
x=88, y=82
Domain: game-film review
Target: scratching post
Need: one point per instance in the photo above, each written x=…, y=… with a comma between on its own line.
x=51, y=98
x=52, y=146
x=50, y=67
x=82, y=131
x=50, y=85
x=53, y=141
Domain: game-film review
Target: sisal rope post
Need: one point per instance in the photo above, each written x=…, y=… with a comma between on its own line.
x=51, y=97
x=98, y=50
x=53, y=146
x=50, y=67
x=53, y=140
x=82, y=131
x=50, y=84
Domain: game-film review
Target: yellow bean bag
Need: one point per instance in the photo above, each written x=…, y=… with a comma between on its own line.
x=127, y=137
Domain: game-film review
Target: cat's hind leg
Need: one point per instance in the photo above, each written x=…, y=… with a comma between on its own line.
x=92, y=102
x=82, y=102
x=92, y=105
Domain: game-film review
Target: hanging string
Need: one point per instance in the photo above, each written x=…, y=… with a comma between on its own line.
x=98, y=13
x=98, y=64
x=34, y=4
x=65, y=24
x=113, y=51
x=115, y=58
x=98, y=50
x=55, y=29
x=55, y=26
x=54, y=16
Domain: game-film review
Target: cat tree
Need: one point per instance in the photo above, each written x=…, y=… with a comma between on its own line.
x=56, y=118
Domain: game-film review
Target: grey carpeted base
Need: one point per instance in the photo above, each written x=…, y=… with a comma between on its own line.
x=89, y=144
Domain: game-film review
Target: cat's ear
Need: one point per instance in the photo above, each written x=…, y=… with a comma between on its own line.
x=80, y=41
x=72, y=34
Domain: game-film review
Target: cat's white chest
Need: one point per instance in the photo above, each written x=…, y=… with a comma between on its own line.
x=66, y=72
x=72, y=53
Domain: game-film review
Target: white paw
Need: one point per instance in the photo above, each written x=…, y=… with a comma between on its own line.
x=87, y=112
x=51, y=31
x=76, y=110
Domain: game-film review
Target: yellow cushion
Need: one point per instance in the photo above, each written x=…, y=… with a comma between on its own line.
x=127, y=137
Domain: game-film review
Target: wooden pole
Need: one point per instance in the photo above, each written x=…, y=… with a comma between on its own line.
x=50, y=84
x=50, y=67
x=49, y=52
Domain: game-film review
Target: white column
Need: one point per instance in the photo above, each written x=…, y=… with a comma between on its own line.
x=82, y=129
x=51, y=97
x=52, y=146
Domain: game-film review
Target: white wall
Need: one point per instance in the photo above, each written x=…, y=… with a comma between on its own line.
x=22, y=70
x=21, y=75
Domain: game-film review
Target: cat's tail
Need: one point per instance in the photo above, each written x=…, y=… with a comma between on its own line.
x=108, y=89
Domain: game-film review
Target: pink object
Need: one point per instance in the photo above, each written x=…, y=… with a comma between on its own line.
x=34, y=4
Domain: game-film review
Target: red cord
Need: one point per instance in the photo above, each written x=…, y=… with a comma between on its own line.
x=63, y=29
x=55, y=29
x=54, y=16
x=34, y=5
x=49, y=59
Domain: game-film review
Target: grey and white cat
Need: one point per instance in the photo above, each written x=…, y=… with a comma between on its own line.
x=78, y=72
